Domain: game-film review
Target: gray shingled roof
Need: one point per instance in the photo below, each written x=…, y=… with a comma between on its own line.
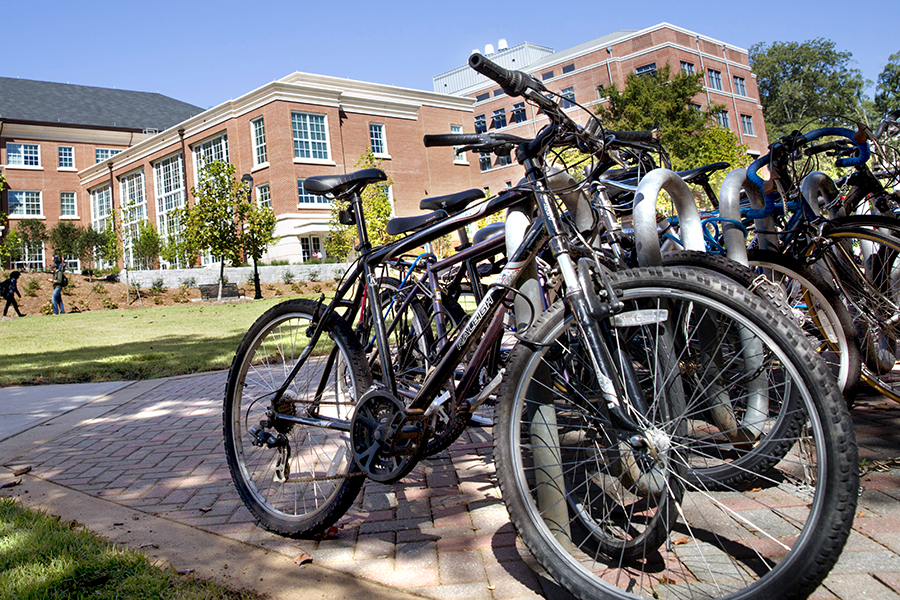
x=63, y=103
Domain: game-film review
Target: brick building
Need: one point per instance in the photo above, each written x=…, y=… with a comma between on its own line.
x=280, y=134
x=583, y=71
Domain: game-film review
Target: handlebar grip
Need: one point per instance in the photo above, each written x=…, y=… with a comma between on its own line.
x=514, y=83
x=646, y=136
x=451, y=139
x=832, y=145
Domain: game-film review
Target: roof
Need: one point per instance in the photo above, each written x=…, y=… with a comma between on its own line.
x=68, y=104
x=599, y=42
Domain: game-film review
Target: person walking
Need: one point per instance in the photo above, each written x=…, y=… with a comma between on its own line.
x=60, y=281
x=8, y=290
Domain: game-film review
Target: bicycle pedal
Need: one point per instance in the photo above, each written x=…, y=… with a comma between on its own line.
x=410, y=434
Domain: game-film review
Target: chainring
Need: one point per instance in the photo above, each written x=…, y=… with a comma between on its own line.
x=376, y=418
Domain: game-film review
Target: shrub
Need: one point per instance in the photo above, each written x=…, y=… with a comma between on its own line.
x=47, y=309
x=158, y=300
x=99, y=288
x=109, y=304
x=156, y=285
x=32, y=287
x=314, y=275
x=278, y=292
x=189, y=282
x=317, y=289
x=288, y=276
x=297, y=288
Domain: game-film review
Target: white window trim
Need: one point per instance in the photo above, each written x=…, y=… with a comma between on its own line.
x=112, y=152
x=384, y=155
x=460, y=158
x=73, y=168
x=299, y=160
x=321, y=201
x=258, y=165
x=39, y=217
x=38, y=167
x=63, y=217
x=195, y=154
x=258, y=188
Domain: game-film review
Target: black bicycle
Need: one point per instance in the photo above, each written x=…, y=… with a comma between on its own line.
x=607, y=456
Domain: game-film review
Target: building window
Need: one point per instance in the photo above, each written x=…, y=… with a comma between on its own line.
x=458, y=157
x=568, y=68
x=307, y=198
x=101, y=154
x=480, y=124
x=25, y=204
x=212, y=149
x=499, y=92
x=66, y=157
x=601, y=92
x=67, y=204
x=310, y=136
x=646, y=69
x=263, y=196
x=32, y=258
x=747, y=125
x=687, y=67
x=311, y=248
x=260, y=156
x=498, y=121
x=503, y=160
x=169, y=180
x=101, y=208
x=482, y=97
x=715, y=79
x=134, y=212
x=722, y=119
x=376, y=136
x=23, y=155
x=568, y=97
x=740, y=86
x=518, y=114
x=484, y=161
x=547, y=75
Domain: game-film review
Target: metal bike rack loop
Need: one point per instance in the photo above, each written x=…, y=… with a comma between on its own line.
x=646, y=235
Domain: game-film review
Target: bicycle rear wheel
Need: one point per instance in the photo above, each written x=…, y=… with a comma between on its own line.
x=762, y=520
x=296, y=479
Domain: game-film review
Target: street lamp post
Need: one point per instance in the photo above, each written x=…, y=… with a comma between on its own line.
x=257, y=291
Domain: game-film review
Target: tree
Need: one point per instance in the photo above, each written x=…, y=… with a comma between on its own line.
x=32, y=233
x=212, y=222
x=146, y=246
x=67, y=239
x=799, y=83
x=887, y=92
x=258, y=233
x=377, y=207
x=664, y=102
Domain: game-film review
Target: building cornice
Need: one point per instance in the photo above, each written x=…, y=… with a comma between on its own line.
x=302, y=88
x=63, y=133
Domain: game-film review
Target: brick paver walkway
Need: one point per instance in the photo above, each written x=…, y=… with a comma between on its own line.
x=443, y=532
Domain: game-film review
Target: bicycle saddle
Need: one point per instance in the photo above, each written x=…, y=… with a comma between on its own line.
x=340, y=184
x=451, y=202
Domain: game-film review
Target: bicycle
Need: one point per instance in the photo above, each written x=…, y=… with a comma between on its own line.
x=608, y=460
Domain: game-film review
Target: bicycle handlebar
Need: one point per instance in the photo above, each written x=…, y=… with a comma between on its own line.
x=470, y=139
x=771, y=198
x=514, y=83
x=643, y=136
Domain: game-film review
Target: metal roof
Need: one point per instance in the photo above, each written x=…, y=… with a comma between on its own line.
x=68, y=104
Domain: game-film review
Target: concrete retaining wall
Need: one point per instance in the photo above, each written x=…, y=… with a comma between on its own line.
x=173, y=278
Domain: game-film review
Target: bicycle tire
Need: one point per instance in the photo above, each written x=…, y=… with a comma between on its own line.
x=864, y=261
x=717, y=547
x=825, y=318
x=303, y=486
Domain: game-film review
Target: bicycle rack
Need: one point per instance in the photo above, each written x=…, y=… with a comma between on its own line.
x=646, y=235
x=730, y=210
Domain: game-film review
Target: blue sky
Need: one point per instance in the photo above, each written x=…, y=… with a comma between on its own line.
x=206, y=52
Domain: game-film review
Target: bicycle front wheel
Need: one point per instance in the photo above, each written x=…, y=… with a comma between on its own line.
x=682, y=507
x=296, y=479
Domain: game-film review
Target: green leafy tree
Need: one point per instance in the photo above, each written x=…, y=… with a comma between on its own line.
x=887, y=91
x=257, y=234
x=11, y=246
x=719, y=144
x=212, y=222
x=799, y=83
x=91, y=247
x=377, y=208
x=661, y=101
x=146, y=246
x=67, y=239
x=31, y=233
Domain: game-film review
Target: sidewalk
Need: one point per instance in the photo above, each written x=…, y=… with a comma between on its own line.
x=143, y=465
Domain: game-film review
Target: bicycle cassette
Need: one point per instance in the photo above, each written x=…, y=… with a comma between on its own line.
x=386, y=438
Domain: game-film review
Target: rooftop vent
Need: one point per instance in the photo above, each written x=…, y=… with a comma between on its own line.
x=502, y=45
x=488, y=49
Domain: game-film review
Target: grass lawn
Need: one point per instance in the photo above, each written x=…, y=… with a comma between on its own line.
x=124, y=344
x=41, y=557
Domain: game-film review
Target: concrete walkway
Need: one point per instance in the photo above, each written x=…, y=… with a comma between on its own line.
x=143, y=464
